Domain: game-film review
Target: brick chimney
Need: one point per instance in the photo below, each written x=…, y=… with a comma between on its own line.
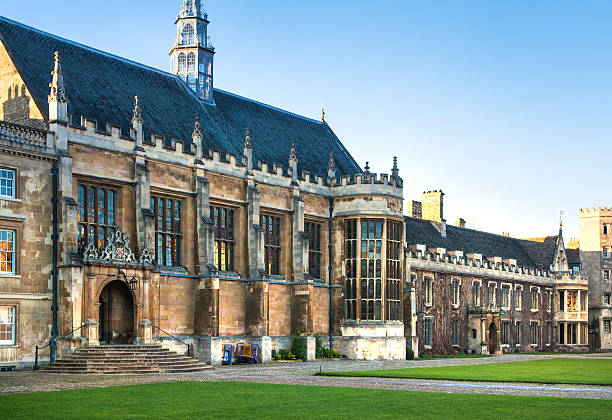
x=460, y=222
x=433, y=205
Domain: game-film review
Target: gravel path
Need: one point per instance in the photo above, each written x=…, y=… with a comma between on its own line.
x=301, y=373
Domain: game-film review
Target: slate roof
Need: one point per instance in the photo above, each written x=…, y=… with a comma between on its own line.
x=526, y=253
x=101, y=87
x=573, y=257
x=541, y=251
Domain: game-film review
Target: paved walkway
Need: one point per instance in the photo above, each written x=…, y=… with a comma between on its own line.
x=301, y=373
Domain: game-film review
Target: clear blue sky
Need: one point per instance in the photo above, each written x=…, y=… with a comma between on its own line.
x=504, y=105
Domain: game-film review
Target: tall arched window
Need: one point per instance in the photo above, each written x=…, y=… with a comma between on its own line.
x=191, y=62
x=188, y=35
x=181, y=63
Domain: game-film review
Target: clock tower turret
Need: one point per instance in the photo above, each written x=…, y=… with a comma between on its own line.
x=192, y=53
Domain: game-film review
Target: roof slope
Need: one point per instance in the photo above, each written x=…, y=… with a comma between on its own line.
x=101, y=87
x=420, y=231
x=541, y=251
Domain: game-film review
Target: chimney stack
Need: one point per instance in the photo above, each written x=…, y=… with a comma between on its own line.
x=432, y=202
x=460, y=222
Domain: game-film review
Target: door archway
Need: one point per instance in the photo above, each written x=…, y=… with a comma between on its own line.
x=492, y=338
x=116, y=313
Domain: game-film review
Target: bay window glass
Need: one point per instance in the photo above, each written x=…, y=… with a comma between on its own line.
x=95, y=215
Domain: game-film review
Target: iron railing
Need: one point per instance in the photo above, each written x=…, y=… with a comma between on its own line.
x=49, y=344
x=189, y=346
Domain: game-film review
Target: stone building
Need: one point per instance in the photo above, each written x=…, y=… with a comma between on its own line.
x=207, y=215
x=156, y=204
x=478, y=292
x=595, y=244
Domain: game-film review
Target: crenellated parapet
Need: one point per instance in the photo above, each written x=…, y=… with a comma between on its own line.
x=473, y=264
x=595, y=211
x=18, y=136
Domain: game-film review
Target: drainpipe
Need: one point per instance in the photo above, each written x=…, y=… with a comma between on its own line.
x=54, y=176
x=329, y=271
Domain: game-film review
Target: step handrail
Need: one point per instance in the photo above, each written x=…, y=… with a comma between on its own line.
x=189, y=352
x=49, y=344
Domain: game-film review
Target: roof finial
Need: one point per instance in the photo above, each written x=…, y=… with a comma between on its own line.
x=58, y=89
x=293, y=155
x=247, y=139
x=331, y=164
x=137, y=111
x=197, y=133
x=561, y=213
x=367, y=168
x=331, y=168
x=322, y=114
x=394, y=171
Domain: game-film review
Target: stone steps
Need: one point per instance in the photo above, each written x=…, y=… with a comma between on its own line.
x=125, y=359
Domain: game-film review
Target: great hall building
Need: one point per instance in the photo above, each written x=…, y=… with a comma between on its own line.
x=152, y=200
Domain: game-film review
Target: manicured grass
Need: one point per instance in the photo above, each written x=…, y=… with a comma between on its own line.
x=247, y=400
x=547, y=371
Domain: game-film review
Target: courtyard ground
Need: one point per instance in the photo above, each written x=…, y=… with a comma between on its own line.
x=248, y=400
x=302, y=373
x=562, y=370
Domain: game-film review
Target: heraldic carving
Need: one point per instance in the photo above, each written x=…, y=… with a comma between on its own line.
x=117, y=250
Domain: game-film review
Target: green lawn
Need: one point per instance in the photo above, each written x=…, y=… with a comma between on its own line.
x=247, y=400
x=547, y=371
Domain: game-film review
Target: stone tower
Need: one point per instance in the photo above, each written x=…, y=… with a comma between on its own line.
x=192, y=53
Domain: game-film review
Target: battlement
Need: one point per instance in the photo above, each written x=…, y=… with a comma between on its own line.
x=22, y=137
x=475, y=263
x=595, y=211
x=184, y=152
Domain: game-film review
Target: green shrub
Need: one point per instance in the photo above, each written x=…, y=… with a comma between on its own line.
x=299, y=346
x=284, y=354
x=409, y=353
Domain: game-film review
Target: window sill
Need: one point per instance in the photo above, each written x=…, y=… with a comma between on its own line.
x=455, y=346
x=9, y=346
x=534, y=310
x=13, y=199
x=429, y=305
x=456, y=306
x=10, y=276
x=427, y=347
x=505, y=346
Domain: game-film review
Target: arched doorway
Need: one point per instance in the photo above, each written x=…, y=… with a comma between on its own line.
x=116, y=313
x=492, y=338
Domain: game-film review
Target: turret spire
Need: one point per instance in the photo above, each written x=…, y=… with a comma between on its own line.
x=331, y=168
x=137, y=117
x=247, y=153
x=192, y=53
x=196, y=138
x=137, y=124
x=293, y=162
x=394, y=170
x=58, y=89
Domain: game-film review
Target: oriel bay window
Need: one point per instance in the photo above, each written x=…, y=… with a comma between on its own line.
x=313, y=230
x=394, y=274
x=96, y=215
x=272, y=246
x=350, y=264
x=223, y=221
x=167, y=231
x=372, y=269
